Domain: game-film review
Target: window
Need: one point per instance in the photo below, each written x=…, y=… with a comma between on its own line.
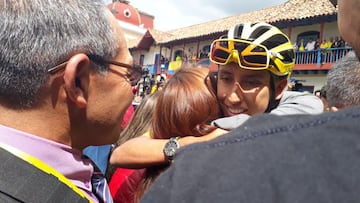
x=307, y=35
x=142, y=59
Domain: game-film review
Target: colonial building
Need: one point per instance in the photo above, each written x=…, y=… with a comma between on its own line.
x=300, y=19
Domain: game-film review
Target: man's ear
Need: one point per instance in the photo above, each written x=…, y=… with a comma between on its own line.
x=76, y=78
x=280, y=87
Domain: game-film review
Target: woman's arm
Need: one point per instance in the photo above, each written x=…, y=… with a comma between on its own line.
x=142, y=152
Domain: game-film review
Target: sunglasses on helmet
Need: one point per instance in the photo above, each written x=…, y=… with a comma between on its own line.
x=247, y=54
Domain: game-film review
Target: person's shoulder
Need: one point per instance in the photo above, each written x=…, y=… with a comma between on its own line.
x=298, y=95
x=268, y=150
x=22, y=181
x=293, y=102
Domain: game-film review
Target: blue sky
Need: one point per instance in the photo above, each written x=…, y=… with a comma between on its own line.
x=171, y=14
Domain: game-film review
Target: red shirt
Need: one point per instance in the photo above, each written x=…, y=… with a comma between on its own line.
x=124, y=183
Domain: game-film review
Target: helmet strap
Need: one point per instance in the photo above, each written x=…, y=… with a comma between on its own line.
x=273, y=103
x=213, y=77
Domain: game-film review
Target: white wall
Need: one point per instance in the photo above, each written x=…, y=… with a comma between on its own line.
x=330, y=30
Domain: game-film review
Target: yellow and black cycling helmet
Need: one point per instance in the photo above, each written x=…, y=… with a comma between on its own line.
x=255, y=46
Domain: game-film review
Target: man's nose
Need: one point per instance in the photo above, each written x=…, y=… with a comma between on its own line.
x=236, y=95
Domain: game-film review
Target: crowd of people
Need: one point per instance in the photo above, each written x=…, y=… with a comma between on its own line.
x=316, y=44
x=235, y=135
x=327, y=50
x=148, y=84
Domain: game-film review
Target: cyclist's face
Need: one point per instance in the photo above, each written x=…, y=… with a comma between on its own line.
x=243, y=91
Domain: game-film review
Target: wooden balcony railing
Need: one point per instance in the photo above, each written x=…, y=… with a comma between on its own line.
x=321, y=56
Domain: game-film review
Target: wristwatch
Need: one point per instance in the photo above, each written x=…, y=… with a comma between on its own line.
x=170, y=148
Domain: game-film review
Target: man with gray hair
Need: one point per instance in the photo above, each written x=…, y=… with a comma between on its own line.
x=343, y=84
x=64, y=85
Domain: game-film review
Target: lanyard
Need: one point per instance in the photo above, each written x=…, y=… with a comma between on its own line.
x=45, y=168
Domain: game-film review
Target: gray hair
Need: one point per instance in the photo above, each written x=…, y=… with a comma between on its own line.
x=36, y=35
x=343, y=82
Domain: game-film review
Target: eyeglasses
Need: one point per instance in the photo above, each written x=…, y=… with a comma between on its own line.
x=133, y=73
x=247, y=54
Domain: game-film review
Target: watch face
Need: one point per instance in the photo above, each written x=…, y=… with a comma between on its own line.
x=170, y=148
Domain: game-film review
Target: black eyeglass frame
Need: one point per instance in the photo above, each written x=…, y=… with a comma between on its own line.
x=134, y=73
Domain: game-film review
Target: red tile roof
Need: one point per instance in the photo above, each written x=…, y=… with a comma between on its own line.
x=289, y=11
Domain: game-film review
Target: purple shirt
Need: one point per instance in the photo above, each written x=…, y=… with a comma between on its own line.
x=63, y=158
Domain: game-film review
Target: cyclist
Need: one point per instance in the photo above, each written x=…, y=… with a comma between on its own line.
x=255, y=62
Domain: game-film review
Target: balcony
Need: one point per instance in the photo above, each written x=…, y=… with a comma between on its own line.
x=318, y=60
